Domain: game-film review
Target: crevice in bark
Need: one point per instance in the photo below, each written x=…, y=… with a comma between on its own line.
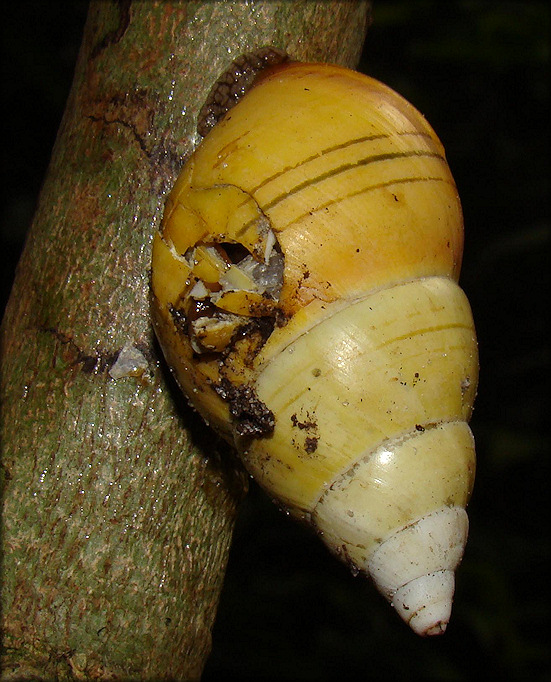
x=114, y=36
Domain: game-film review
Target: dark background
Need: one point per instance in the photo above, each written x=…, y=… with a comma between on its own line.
x=479, y=71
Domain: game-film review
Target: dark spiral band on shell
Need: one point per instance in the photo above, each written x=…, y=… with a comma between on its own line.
x=234, y=83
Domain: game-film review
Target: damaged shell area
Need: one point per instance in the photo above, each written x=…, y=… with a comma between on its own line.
x=217, y=277
x=305, y=296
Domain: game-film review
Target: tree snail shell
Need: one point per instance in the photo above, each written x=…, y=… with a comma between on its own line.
x=305, y=295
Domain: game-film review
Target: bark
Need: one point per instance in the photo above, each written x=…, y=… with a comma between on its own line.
x=118, y=505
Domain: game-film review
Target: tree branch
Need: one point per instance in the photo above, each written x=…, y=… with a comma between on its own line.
x=118, y=510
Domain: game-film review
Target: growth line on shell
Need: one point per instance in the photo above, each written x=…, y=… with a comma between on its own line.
x=388, y=444
x=376, y=158
x=364, y=190
x=337, y=147
x=425, y=330
x=333, y=202
x=333, y=308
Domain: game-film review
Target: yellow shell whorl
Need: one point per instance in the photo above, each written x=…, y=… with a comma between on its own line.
x=377, y=370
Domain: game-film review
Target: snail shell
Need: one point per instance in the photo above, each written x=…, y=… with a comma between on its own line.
x=305, y=295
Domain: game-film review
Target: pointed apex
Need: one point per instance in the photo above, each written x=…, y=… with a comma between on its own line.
x=426, y=602
x=414, y=568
